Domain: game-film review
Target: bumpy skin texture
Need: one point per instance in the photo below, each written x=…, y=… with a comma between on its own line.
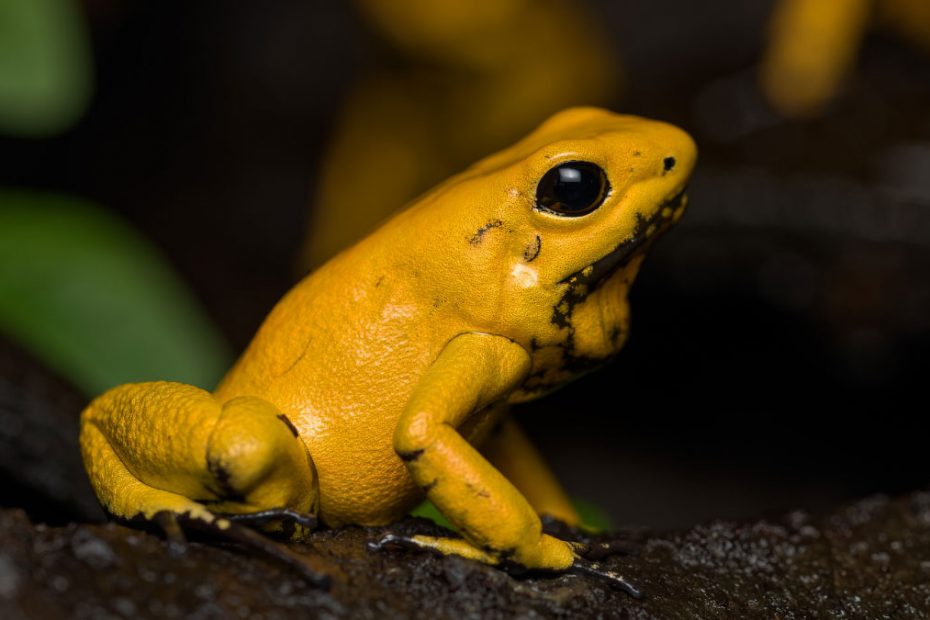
x=393, y=363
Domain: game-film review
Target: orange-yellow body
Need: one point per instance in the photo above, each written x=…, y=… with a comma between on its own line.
x=384, y=375
x=813, y=45
x=463, y=79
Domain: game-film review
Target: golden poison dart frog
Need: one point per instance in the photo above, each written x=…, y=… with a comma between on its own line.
x=385, y=375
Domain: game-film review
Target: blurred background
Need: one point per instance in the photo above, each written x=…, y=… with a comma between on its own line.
x=169, y=169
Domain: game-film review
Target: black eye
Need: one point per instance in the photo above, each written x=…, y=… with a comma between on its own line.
x=572, y=189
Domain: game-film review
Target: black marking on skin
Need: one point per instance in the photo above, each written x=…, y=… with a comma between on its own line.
x=668, y=164
x=532, y=251
x=379, y=281
x=620, y=256
x=615, y=333
x=503, y=555
x=478, y=491
x=581, y=284
x=222, y=476
x=411, y=456
x=426, y=488
x=289, y=424
x=299, y=359
x=637, y=154
x=479, y=234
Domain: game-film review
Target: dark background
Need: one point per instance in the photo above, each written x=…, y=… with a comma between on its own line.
x=780, y=332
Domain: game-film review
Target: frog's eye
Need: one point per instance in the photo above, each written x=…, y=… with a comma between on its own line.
x=572, y=189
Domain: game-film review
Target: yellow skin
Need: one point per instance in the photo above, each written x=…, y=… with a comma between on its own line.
x=813, y=45
x=385, y=375
x=497, y=68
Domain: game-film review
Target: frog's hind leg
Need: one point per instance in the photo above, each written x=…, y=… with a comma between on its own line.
x=122, y=494
x=126, y=497
x=155, y=447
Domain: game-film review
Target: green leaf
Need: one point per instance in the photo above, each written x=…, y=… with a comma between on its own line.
x=45, y=66
x=428, y=510
x=94, y=300
x=593, y=517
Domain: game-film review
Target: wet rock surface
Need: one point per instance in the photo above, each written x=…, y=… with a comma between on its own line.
x=869, y=560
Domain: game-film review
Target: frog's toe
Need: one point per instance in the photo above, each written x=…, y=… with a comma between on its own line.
x=174, y=525
x=287, y=521
x=588, y=568
x=437, y=544
x=174, y=533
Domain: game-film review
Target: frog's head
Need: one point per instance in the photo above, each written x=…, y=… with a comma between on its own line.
x=542, y=240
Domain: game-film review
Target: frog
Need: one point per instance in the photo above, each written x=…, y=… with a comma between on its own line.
x=386, y=375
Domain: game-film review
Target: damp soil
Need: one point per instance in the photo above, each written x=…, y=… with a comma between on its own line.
x=868, y=560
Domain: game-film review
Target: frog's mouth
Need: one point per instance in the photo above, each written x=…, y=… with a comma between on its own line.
x=646, y=231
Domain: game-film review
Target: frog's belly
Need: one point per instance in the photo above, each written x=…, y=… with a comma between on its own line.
x=362, y=480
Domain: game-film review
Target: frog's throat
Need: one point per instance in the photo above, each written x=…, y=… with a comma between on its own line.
x=646, y=231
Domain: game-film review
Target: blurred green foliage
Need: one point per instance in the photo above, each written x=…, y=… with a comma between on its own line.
x=94, y=300
x=45, y=66
x=592, y=516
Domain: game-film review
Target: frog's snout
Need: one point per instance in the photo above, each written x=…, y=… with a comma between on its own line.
x=678, y=160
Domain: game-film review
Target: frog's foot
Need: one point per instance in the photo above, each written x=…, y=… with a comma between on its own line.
x=262, y=474
x=504, y=560
x=174, y=525
x=284, y=523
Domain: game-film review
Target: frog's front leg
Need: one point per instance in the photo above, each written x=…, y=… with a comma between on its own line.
x=154, y=448
x=513, y=454
x=498, y=523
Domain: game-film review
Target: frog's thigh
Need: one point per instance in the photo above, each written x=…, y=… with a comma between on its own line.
x=159, y=446
x=512, y=453
x=472, y=371
x=122, y=493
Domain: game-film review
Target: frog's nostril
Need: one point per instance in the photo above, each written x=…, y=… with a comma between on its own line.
x=669, y=163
